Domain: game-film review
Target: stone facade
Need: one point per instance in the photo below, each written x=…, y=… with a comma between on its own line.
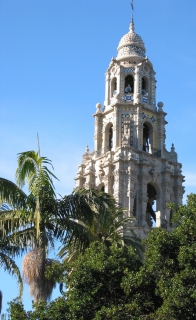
x=130, y=160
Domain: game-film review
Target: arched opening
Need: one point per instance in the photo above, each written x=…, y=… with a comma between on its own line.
x=113, y=87
x=129, y=84
x=111, y=138
x=150, y=210
x=147, y=137
x=103, y=188
x=144, y=87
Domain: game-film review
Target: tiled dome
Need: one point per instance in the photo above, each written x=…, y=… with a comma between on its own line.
x=131, y=44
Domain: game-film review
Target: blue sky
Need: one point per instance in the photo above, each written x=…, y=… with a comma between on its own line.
x=53, y=57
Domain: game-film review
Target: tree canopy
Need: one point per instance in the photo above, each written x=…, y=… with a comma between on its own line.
x=110, y=281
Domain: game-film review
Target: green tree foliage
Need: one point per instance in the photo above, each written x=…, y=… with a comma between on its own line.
x=94, y=282
x=110, y=281
x=165, y=286
x=36, y=220
x=101, y=269
x=107, y=223
x=6, y=252
x=26, y=222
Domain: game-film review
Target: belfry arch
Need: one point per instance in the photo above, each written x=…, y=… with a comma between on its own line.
x=129, y=84
x=108, y=137
x=113, y=86
x=145, y=87
x=147, y=137
x=153, y=196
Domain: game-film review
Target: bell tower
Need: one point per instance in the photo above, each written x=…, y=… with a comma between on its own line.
x=130, y=160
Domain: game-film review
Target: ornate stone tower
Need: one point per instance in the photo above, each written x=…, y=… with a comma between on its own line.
x=130, y=160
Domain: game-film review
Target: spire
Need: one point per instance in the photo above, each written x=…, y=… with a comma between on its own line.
x=131, y=28
x=87, y=149
x=132, y=7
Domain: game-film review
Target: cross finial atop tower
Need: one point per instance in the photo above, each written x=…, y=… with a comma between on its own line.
x=132, y=6
x=131, y=28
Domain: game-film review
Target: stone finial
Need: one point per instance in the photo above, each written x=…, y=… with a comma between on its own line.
x=160, y=106
x=87, y=149
x=132, y=27
x=172, y=148
x=98, y=107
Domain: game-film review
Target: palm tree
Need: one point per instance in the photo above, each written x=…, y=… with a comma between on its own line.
x=27, y=219
x=106, y=223
x=35, y=220
x=7, y=251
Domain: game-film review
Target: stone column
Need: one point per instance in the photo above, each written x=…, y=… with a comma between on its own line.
x=98, y=130
x=80, y=176
x=143, y=199
x=117, y=185
x=139, y=129
x=166, y=191
x=118, y=81
x=107, y=89
x=115, y=129
x=178, y=193
x=161, y=128
x=152, y=89
x=136, y=84
x=131, y=193
x=104, y=138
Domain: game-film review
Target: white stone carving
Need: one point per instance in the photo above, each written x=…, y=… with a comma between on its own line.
x=127, y=171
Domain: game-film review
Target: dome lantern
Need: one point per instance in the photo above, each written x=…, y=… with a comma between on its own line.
x=131, y=45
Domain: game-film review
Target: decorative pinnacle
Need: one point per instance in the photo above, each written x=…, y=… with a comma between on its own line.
x=172, y=147
x=132, y=7
x=87, y=149
x=131, y=28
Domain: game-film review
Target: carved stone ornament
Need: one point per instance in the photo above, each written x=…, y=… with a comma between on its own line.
x=143, y=198
x=137, y=98
x=98, y=107
x=154, y=174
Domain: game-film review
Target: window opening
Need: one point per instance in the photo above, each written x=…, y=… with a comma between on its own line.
x=129, y=84
x=146, y=138
x=110, y=138
x=103, y=189
x=150, y=210
x=114, y=86
x=144, y=87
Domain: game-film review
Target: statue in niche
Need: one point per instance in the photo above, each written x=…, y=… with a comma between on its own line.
x=128, y=89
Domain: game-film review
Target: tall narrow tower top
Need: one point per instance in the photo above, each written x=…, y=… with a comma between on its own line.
x=132, y=6
x=131, y=45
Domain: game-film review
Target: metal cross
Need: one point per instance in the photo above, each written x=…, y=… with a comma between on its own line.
x=132, y=6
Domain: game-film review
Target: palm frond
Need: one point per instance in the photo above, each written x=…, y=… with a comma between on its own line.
x=13, y=220
x=31, y=169
x=27, y=165
x=10, y=266
x=88, y=216
x=11, y=194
